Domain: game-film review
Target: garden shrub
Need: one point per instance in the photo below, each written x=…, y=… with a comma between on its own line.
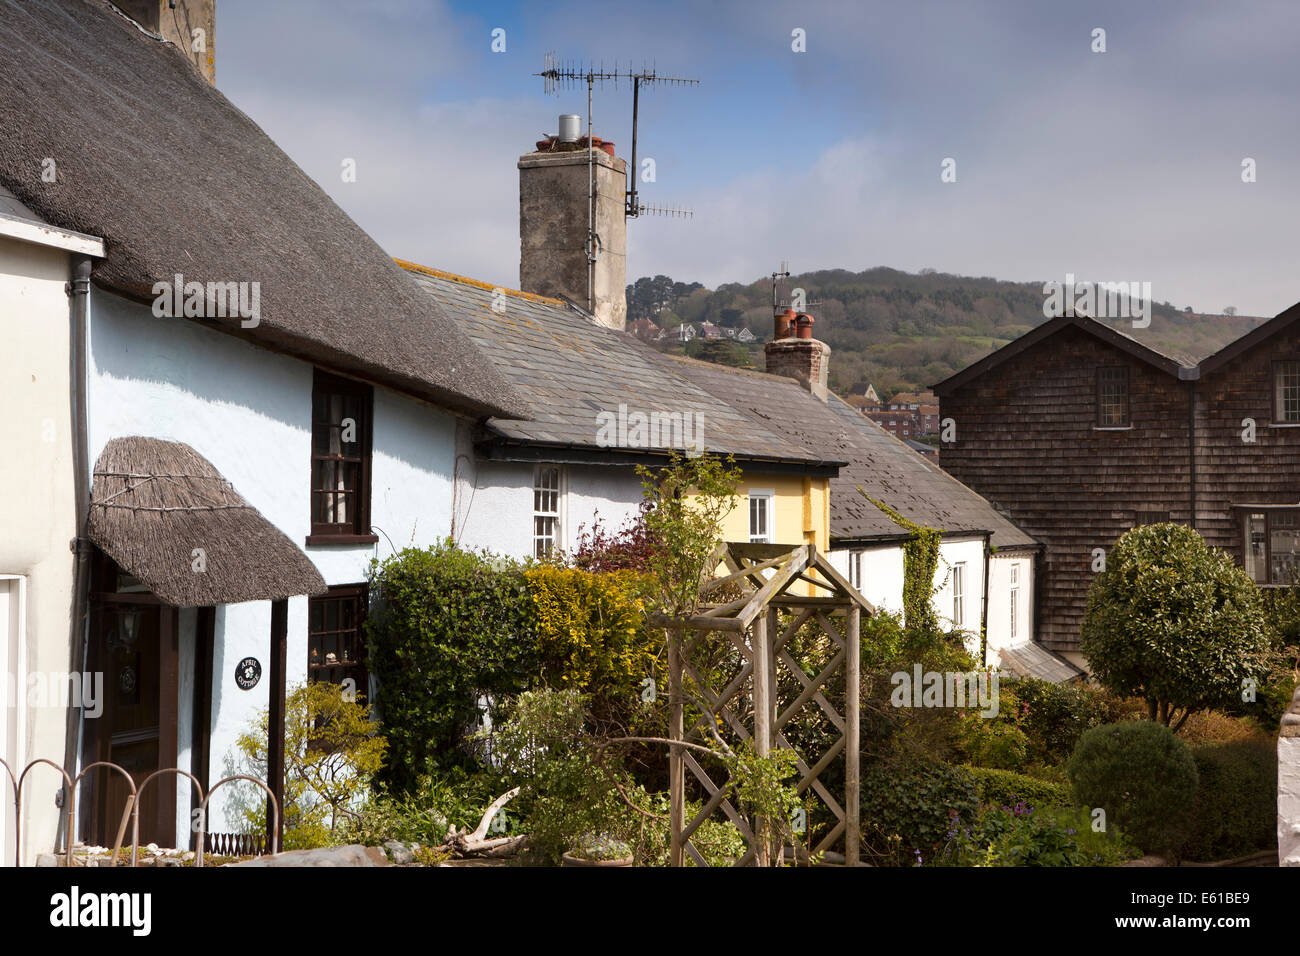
x=1053, y=716
x=1005, y=788
x=332, y=750
x=445, y=627
x=1236, y=803
x=995, y=743
x=1021, y=835
x=1174, y=622
x=435, y=804
x=590, y=630
x=909, y=807
x=1142, y=776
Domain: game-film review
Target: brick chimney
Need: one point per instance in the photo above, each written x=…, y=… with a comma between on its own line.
x=189, y=24
x=553, y=211
x=794, y=353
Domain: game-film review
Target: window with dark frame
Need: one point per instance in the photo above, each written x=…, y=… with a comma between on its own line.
x=336, y=647
x=1286, y=391
x=1112, y=396
x=1272, y=546
x=340, y=458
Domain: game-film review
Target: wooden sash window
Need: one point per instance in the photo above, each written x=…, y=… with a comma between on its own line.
x=1112, y=397
x=340, y=460
x=1286, y=392
x=336, y=644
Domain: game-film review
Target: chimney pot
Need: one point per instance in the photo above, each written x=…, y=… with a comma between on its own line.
x=784, y=324
x=570, y=127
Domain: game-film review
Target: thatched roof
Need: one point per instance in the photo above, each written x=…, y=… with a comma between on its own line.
x=153, y=502
x=154, y=160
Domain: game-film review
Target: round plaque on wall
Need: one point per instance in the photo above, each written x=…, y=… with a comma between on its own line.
x=247, y=673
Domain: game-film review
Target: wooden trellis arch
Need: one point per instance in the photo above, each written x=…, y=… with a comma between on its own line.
x=768, y=687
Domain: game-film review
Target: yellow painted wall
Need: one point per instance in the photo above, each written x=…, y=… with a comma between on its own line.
x=800, y=508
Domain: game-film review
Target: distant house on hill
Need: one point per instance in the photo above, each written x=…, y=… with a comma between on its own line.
x=678, y=333
x=866, y=390
x=645, y=329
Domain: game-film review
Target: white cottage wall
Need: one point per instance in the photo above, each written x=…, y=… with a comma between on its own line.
x=882, y=580
x=999, y=624
x=495, y=504
x=248, y=411
x=37, y=520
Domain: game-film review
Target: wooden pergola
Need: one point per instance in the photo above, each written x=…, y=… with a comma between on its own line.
x=757, y=615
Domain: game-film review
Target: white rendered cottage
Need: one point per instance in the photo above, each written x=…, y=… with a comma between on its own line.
x=226, y=460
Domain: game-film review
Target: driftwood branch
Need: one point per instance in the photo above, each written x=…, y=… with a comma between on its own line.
x=478, y=843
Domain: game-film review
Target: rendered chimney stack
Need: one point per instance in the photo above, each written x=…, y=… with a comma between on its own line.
x=189, y=24
x=795, y=354
x=553, y=214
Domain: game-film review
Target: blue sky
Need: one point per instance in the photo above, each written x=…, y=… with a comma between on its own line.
x=1115, y=166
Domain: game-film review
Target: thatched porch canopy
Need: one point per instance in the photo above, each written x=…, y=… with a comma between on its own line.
x=167, y=516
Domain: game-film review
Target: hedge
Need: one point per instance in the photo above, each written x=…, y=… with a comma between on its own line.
x=1236, y=803
x=1004, y=788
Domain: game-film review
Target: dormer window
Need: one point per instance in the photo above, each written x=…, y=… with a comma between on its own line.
x=1112, y=397
x=1286, y=392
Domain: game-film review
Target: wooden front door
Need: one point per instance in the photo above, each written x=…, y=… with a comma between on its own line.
x=134, y=646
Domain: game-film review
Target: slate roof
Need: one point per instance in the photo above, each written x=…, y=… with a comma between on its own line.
x=884, y=466
x=569, y=370
x=1034, y=660
x=175, y=179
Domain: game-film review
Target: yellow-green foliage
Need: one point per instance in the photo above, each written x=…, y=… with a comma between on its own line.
x=590, y=628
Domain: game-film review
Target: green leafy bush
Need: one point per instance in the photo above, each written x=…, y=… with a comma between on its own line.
x=994, y=743
x=1142, y=776
x=591, y=630
x=332, y=750
x=1020, y=835
x=910, y=806
x=435, y=804
x=1005, y=788
x=1053, y=716
x=1236, y=803
x=1174, y=622
x=446, y=627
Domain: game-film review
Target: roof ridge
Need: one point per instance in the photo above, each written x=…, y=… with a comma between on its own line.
x=753, y=372
x=477, y=283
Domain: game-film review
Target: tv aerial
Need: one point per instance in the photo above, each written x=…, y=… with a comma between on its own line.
x=565, y=74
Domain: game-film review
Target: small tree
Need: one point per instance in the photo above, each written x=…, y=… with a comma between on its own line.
x=332, y=749
x=1175, y=622
x=688, y=501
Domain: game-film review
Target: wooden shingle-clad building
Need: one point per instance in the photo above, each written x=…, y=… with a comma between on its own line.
x=1080, y=432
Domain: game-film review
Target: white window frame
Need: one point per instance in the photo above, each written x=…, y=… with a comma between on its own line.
x=540, y=512
x=959, y=594
x=1014, y=573
x=855, y=569
x=767, y=496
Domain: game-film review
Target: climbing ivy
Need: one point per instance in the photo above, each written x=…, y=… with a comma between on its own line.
x=920, y=561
